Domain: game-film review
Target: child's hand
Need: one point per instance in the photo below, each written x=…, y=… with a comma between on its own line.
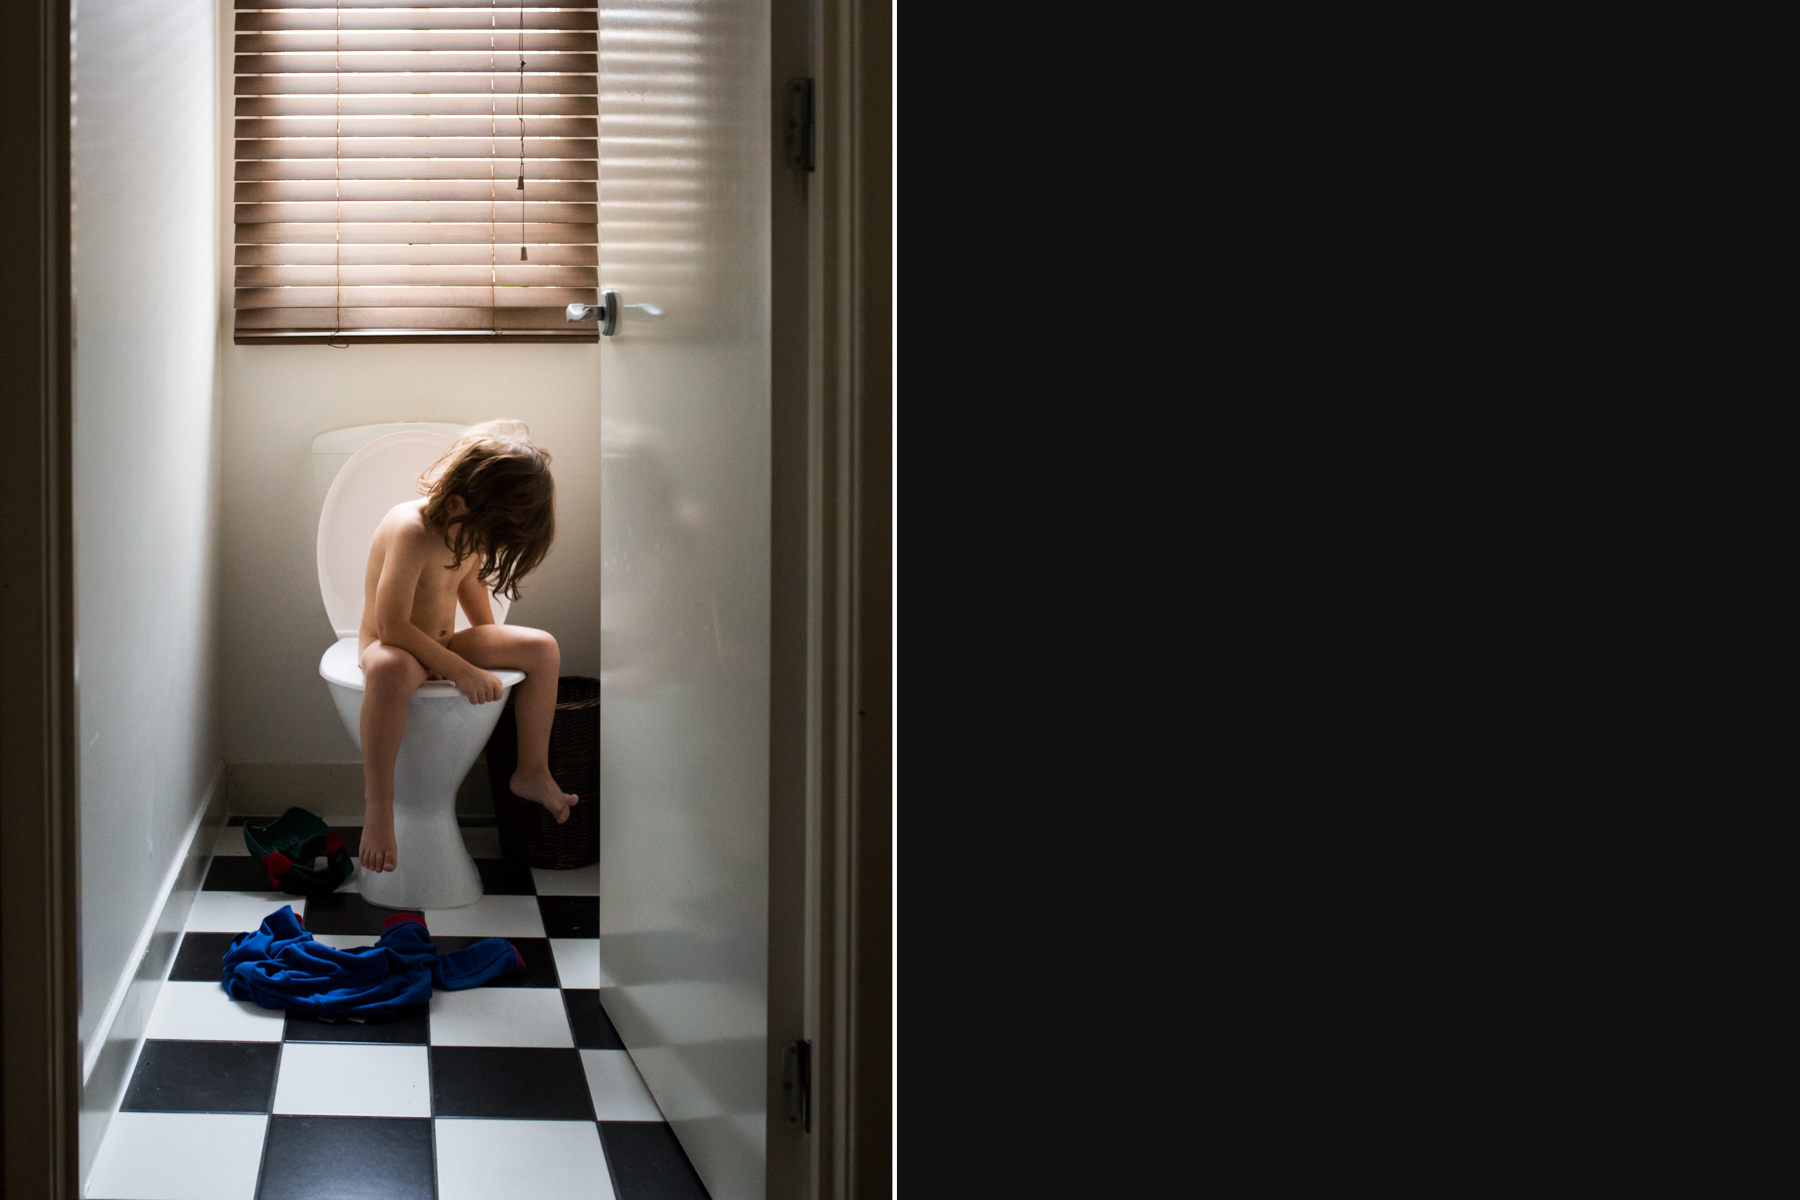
x=479, y=686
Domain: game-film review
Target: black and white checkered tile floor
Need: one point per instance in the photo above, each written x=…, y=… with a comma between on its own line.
x=519, y=1089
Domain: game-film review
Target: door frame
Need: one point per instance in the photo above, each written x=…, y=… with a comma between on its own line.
x=39, y=841
x=831, y=813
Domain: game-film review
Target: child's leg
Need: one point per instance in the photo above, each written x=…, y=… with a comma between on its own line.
x=534, y=703
x=390, y=677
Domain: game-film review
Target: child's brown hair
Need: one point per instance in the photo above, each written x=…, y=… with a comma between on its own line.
x=505, y=482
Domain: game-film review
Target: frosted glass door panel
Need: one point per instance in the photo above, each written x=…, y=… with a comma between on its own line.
x=684, y=176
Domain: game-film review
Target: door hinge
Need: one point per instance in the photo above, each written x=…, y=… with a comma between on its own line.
x=800, y=124
x=796, y=1085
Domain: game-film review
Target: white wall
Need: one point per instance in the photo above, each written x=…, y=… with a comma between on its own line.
x=147, y=443
x=146, y=458
x=277, y=399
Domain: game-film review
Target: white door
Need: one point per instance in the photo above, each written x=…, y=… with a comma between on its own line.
x=684, y=219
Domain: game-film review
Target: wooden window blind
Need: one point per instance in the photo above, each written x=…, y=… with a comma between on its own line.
x=379, y=151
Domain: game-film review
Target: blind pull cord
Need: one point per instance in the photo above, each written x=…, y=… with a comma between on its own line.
x=337, y=180
x=523, y=257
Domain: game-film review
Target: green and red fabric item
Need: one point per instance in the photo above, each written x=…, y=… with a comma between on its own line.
x=290, y=844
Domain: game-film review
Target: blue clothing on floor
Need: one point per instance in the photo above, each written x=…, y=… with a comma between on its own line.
x=281, y=966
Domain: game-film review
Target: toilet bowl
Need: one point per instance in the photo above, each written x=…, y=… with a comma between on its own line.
x=444, y=732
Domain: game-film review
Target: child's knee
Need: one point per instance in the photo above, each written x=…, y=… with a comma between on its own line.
x=391, y=671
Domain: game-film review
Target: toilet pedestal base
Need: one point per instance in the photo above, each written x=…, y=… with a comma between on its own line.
x=444, y=875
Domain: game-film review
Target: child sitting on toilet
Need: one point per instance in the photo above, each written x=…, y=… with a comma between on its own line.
x=484, y=523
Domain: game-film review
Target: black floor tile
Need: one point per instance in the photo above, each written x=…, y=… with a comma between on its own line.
x=352, y=835
x=648, y=1163
x=347, y=1158
x=201, y=958
x=237, y=873
x=509, y=1082
x=209, y=1077
x=540, y=964
x=570, y=916
x=408, y=1027
x=477, y=822
x=593, y=1029
x=502, y=877
x=346, y=912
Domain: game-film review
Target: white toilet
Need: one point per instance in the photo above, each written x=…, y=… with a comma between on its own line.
x=380, y=467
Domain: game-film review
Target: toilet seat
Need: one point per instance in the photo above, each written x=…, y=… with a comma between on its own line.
x=339, y=666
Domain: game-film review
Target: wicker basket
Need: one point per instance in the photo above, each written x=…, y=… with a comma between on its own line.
x=528, y=833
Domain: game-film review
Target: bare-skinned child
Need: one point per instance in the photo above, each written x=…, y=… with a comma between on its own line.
x=485, y=521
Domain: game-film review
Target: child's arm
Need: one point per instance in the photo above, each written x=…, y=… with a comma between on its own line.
x=395, y=591
x=472, y=594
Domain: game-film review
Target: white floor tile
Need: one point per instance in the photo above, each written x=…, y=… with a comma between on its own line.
x=530, y=1160
x=180, y=1156
x=617, y=1088
x=499, y=1017
x=354, y=1081
x=231, y=841
x=577, y=962
x=205, y=1012
x=237, y=912
x=581, y=881
x=482, y=841
x=490, y=916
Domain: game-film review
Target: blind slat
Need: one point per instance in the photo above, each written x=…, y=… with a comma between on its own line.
x=414, y=84
x=352, y=62
x=477, y=104
x=414, y=18
x=503, y=274
x=415, y=168
x=551, y=319
x=413, y=297
x=405, y=254
x=503, y=211
x=486, y=125
x=498, y=40
x=511, y=6
x=291, y=190
x=500, y=149
x=484, y=233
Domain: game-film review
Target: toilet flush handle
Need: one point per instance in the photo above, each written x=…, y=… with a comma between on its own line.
x=606, y=313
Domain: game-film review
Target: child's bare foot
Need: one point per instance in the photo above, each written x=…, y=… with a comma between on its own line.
x=544, y=790
x=379, y=850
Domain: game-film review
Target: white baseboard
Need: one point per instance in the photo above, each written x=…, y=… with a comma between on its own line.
x=111, y=1054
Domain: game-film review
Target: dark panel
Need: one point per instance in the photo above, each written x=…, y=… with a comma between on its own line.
x=510, y=1083
x=346, y=912
x=570, y=916
x=201, y=958
x=408, y=1027
x=592, y=1028
x=236, y=873
x=648, y=1163
x=347, y=1158
x=208, y=1077
x=540, y=964
x=501, y=877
